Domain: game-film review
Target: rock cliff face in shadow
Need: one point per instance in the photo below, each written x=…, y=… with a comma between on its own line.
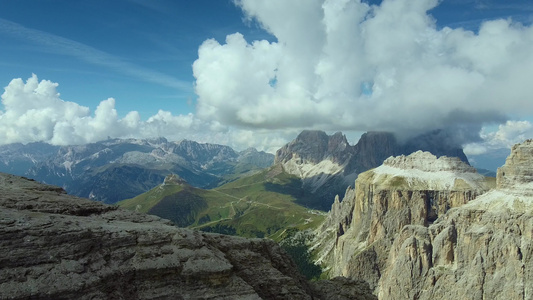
x=55, y=246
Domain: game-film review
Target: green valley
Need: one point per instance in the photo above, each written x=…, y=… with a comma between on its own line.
x=265, y=204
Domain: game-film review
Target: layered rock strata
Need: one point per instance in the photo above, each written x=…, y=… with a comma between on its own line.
x=359, y=232
x=481, y=250
x=55, y=246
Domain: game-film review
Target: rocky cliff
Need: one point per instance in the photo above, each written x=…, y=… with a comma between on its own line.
x=327, y=165
x=481, y=250
x=359, y=232
x=319, y=160
x=55, y=246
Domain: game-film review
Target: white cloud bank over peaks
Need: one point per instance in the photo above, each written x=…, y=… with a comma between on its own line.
x=33, y=111
x=345, y=65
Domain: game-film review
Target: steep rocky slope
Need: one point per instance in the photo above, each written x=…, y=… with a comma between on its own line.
x=55, y=246
x=319, y=161
x=327, y=165
x=356, y=237
x=481, y=250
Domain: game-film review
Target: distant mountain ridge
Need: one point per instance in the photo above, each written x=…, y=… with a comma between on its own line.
x=327, y=165
x=118, y=169
x=370, y=151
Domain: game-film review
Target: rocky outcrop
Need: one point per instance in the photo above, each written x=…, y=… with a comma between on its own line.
x=174, y=179
x=358, y=234
x=318, y=159
x=313, y=146
x=481, y=250
x=327, y=165
x=517, y=173
x=55, y=246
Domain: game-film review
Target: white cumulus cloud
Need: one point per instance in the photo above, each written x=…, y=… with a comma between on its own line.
x=335, y=65
x=346, y=65
x=506, y=135
x=34, y=112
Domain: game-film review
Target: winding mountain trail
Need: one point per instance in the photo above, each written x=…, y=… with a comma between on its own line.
x=249, y=201
x=209, y=223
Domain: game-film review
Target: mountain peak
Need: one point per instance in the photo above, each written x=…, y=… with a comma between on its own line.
x=314, y=146
x=517, y=173
x=174, y=179
x=427, y=162
x=312, y=134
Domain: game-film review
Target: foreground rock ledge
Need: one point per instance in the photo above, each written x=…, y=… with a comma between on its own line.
x=55, y=246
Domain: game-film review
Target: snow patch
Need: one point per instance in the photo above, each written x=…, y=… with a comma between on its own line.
x=425, y=161
x=103, y=151
x=68, y=165
x=33, y=160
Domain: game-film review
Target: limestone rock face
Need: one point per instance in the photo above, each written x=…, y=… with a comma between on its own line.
x=481, y=250
x=317, y=159
x=55, y=246
x=517, y=173
x=313, y=146
x=359, y=232
x=327, y=165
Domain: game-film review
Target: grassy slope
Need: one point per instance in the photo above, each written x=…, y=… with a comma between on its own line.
x=144, y=202
x=261, y=205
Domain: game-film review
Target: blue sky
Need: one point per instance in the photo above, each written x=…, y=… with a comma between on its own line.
x=141, y=54
x=139, y=39
x=101, y=49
